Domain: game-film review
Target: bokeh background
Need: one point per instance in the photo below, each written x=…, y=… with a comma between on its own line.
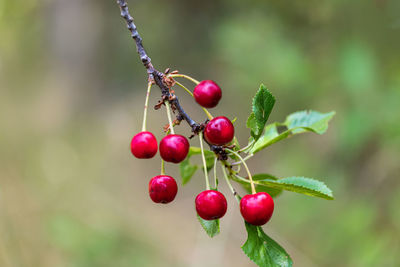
x=71, y=98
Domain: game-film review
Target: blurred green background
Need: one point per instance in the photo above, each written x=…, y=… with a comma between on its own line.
x=71, y=98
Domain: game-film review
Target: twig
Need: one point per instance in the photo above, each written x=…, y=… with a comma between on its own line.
x=123, y=5
x=154, y=74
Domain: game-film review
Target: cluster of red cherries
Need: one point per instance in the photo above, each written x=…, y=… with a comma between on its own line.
x=255, y=208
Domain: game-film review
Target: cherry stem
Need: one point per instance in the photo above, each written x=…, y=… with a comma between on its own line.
x=184, y=76
x=210, y=117
x=215, y=173
x=184, y=87
x=162, y=167
x=204, y=161
x=171, y=126
x=235, y=194
x=245, y=180
x=174, y=123
x=253, y=188
x=246, y=147
x=146, y=103
x=245, y=158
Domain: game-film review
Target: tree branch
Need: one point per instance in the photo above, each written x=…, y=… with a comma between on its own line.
x=123, y=5
x=158, y=78
x=154, y=74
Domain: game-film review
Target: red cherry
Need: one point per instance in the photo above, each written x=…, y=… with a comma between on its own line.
x=207, y=94
x=144, y=145
x=219, y=131
x=257, y=209
x=174, y=148
x=211, y=205
x=162, y=189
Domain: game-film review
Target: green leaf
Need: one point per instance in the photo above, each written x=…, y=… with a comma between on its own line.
x=197, y=151
x=299, y=122
x=252, y=125
x=270, y=136
x=211, y=227
x=193, y=150
x=210, y=157
x=273, y=192
x=302, y=185
x=263, y=102
x=262, y=105
x=236, y=144
x=303, y=121
x=187, y=170
x=263, y=250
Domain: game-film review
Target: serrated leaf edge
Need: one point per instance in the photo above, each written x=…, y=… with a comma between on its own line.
x=329, y=197
x=204, y=228
x=258, y=229
x=290, y=132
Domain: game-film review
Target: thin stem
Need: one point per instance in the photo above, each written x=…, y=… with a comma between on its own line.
x=246, y=147
x=171, y=126
x=253, y=188
x=229, y=183
x=184, y=87
x=174, y=123
x=146, y=103
x=245, y=158
x=237, y=170
x=184, y=76
x=238, y=177
x=231, y=170
x=162, y=167
x=204, y=161
x=215, y=173
x=209, y=116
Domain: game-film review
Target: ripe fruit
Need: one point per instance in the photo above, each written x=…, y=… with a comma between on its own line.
x=207, y=94
x=174, y=148
x=162, y=189
x=219, y=131
x=257, y=209
x=211, y=205
x=144, y=145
